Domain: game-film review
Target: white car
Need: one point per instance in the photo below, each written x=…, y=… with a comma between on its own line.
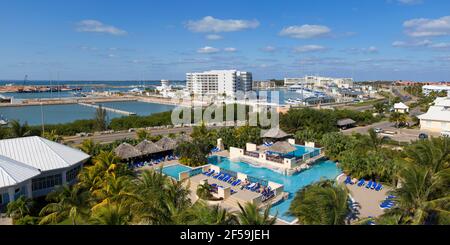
x=378, y=130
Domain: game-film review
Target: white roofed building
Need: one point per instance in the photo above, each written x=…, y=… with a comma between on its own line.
x=401, y=108
x=427, y=89
x=33, y=166
x=437, y=118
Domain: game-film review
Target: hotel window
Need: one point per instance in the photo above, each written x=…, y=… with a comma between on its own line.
x=72, y=174
x=46, y=182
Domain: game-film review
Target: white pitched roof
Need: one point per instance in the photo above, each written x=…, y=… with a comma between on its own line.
x=442, y=101
x=400, y=105
x=436, y=113
x=13, y=172
x=41, y=153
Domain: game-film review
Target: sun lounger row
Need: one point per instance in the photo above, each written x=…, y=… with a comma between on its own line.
x=268, y=144
x=388, y=203
x=370, y=185
x=223, y=177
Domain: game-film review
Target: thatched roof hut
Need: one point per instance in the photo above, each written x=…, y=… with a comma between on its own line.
x=276, y=133
x=127, y=151
x=167, y=144
x=147, y=147
x=282, y=147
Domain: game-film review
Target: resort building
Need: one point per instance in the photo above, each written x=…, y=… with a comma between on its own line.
x=218, y=82
x=34, y=166
x=437, y=119
x=427, y=89
x=316, y=81
x=401, y=108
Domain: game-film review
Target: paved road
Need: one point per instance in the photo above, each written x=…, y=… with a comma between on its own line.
x=109, y=138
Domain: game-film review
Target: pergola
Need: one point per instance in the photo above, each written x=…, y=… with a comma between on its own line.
x=126, y=151
x=282, y=148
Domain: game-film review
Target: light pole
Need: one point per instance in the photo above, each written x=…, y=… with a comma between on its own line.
x=42, y=119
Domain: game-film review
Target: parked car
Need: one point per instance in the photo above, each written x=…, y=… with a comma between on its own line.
x=378, y=130
x=423, y=136
x=445, y=133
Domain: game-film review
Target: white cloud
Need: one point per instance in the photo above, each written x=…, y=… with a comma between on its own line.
x=421, y=43
x=309, y=48
x=211, y=24
x=423, y=27
x=214, y=37
x=230, y=49
x=99, y=27
x=207, y=50
x=305, y=31
x=269, y=49
x=369, y=50
x=440, y=45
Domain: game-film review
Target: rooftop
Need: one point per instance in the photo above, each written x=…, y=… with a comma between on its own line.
x=40, y=153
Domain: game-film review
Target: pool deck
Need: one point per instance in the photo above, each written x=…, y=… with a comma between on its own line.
x=243, y=195
x=368, y=200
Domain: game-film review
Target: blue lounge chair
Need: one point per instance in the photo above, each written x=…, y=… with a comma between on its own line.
x=256, y=187
x=207, y=172
x=217, y=176
x=375, y=184
x=379, y=187
x=227, y=177
x=237, y=182
x=369, y=185
x=348, y=180
x=210, y=173
x=390, y=197
x=248, y=187
x=361, y=182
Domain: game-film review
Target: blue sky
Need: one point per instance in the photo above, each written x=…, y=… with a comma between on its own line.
x=118, y=40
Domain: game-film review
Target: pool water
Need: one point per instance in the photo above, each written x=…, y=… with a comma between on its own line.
x=322, y=170
x=175, y=170
x=302, y=150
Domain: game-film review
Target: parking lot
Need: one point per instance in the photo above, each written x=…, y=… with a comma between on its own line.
x=399, y=134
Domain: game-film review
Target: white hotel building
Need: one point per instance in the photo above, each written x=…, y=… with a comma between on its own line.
x=316, y=81
x=218, y=82
x=437, y=118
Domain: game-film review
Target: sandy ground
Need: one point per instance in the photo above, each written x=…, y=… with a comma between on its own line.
x=5, y=221
x=368, y=200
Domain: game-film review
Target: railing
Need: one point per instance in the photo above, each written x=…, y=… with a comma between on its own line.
x=276, y=159
x=251, y=154
x=195, y=172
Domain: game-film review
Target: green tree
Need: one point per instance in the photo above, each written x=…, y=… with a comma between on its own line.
x=323, y=203
x=101, y=119
x=111, y=214
x=202, y=214
x=66, y=202
x=89, y=147
x=250, y=214
x=52, y=135
x=19, y=208
x=204, y=191
x=19, y=130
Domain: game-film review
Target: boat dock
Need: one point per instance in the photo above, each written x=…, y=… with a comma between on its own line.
x=126, y=113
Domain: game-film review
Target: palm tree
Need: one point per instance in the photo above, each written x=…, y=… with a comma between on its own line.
x=66, y=202
x=398, y=118
x=423, y=196
x=113, y=189
x=202, y=214
x=142, y=135
x=52, y=135
x=323, y=203
x=249, y=214
x=19, y=208
x=89, y=147
x=204, y=191
x=111, y=214
x=101, y=122
x=19, y=130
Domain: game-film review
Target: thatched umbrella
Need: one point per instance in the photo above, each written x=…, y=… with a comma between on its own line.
x=276, y=133
x=127, y=151
x=167, y=144
x=282, y=147
x=147, y=147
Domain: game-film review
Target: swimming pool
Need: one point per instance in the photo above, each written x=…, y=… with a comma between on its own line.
x=175, y=170
x=322, y=170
